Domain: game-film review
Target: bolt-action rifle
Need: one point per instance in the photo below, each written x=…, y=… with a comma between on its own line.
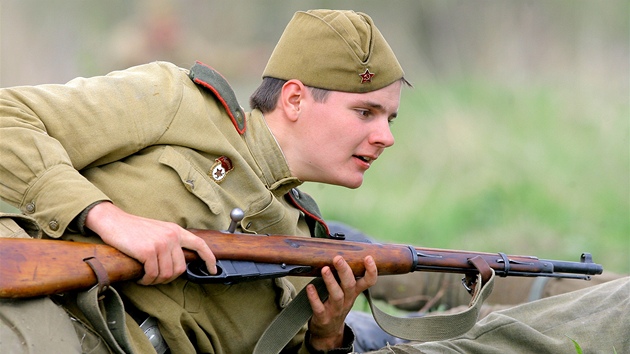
x=33, y=267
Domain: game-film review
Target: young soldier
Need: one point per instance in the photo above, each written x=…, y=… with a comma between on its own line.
x=135, y=157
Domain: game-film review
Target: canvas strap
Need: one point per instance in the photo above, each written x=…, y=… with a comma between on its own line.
x=289, y=322
x=104, y=309
x=435, y=327
x=431, y=328
x=106, y=313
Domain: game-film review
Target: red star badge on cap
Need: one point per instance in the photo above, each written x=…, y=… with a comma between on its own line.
x=366, y=76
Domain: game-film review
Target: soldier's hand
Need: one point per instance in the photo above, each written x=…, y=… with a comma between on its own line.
x=156, y=244
x=327, y=324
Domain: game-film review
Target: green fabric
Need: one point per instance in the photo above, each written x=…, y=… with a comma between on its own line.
x=18, y=226
x=597, y=318
x=36, y=326
x=334, y=50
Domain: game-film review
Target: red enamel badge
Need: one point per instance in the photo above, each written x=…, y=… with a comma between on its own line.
x=366, y=76
x=220, y=169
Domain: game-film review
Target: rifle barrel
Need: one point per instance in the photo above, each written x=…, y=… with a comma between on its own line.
x=585, y=266
x=438, y=260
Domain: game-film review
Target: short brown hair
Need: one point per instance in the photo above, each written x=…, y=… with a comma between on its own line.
x=265, y=98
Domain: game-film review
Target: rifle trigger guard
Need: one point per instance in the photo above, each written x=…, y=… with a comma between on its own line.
x=101, y=274
x=232, y=271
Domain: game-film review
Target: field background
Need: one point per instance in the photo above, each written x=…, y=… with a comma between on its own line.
x=515, y=137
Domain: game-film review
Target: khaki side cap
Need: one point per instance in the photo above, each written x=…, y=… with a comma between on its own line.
x=331, y=49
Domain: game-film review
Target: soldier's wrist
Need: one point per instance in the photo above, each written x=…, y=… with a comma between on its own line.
x=80, y=220
x=346, y=346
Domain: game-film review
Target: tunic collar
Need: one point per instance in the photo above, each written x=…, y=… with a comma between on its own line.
x=268, y=155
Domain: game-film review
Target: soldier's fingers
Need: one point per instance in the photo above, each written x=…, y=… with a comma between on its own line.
x=336, y=294
x=178, y=264
x=346, y=276
x=165, y=267
x=317, y=305
x=194, y=243
x=151, y=271
x=371, y=274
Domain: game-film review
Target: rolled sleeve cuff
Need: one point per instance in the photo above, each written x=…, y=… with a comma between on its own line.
x=57, y=197
x=347, y=346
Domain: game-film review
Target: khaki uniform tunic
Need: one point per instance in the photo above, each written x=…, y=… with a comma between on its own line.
x=146, y=139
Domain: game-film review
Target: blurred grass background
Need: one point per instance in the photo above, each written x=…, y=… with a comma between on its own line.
x=489, y=167
x=515, y=138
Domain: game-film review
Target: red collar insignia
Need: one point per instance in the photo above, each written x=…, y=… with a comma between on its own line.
x=366, y=76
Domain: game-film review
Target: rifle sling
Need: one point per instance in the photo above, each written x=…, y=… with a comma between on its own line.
x=471, y=280
x=289, y=322
x=104, y=310
x=434, y=327
x=431, y=328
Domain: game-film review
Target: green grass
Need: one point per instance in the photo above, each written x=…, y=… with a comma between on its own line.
x=536, y=169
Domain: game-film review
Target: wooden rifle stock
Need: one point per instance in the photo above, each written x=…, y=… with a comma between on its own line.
x=31, y=267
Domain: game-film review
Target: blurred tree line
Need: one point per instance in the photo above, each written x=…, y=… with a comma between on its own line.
x=569, y=57
x=56, y=40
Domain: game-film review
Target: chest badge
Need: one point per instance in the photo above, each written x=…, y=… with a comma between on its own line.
x=220, y=169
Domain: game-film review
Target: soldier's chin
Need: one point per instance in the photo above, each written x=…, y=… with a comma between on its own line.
x=353, y=184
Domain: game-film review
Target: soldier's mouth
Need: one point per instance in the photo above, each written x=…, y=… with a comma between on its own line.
x=365, y=159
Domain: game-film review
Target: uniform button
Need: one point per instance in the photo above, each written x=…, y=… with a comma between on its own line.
x=54, y=225
x=30, y=208
x=295, y=193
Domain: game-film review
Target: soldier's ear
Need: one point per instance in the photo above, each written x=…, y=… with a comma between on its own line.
x=292, y=98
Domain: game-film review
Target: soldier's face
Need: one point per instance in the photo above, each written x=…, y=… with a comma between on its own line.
x=347, y=133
